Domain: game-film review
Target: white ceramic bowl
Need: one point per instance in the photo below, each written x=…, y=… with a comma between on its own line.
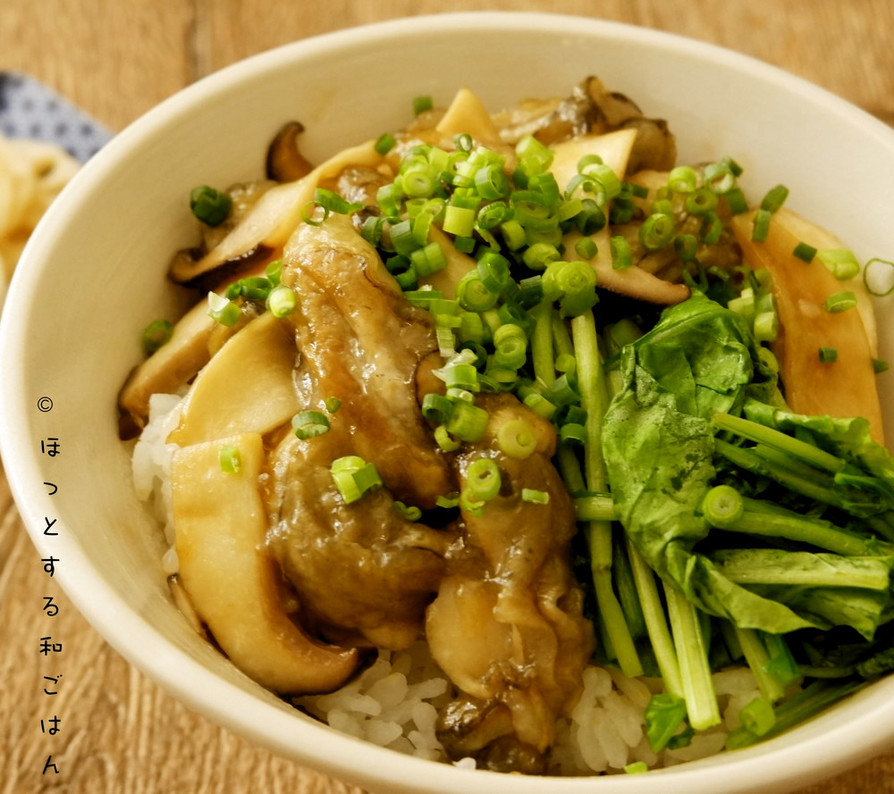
x=94, y=275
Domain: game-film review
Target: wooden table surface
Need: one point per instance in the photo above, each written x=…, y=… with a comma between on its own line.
x=118, y=731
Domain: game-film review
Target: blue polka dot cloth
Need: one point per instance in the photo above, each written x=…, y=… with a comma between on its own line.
x=28, y=109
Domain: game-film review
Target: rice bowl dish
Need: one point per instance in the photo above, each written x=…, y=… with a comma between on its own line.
x=374, y=705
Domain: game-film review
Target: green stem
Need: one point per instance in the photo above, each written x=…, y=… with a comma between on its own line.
x=757, y=657
x=783, y=442
x=542, y=354
x=725, y=508
x=695, y=669
x=594, y=399
x=748, y=460
x=594, y=507
x=656, y=622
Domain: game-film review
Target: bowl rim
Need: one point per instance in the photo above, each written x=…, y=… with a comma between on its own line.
x=172, y=668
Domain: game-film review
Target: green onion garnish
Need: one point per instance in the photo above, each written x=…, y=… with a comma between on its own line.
x=622, y=256
x=385, y=143
x=309, y=424
x=223, y=310
x=230, y=459
x=840, y=301
x=156, y=334
x=761, y=225
x=534, y=496
x=774, y=199
x=804, y=252
x=281, y=301
x=828, y=355
x=409, y=512
x=209, y=205
x=422, y=104
x=841, y=262
x=354, y=477
x=483, y=479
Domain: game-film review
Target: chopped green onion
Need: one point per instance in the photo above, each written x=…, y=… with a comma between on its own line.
x=539, y=255
x=516, y=439
x=766, y=326
x=840, y=301
x=657, y=231
x=494, y=271
x=447, y=501
x=223, y=310
x=736, y=201
x=437, y=408
x=682, y=179
x=483, y=479
x=428, y=259
x=157, y=334
x=281, y=301
x=468, y=422
x=473, y=295
x=775, y=198
x=444, y=440
x=636, y=768
x=585, y=248
x=385, y=143
x=230, y=459
x=828, y=355
x=686, y=247
x=878, y=285
x=209, y=205
x=409, y=512
x=622, y=256
x=804, y=252
x=841, y=262
x=761, y=225
x=309, y=424
x=333, y=202
x=354, y=477
x=879, y=366
x=459, y=221
x=712, y=228
x=422, y=104
x=332, y=404
x=701, y=201
x=535, y=496
x=534, y=157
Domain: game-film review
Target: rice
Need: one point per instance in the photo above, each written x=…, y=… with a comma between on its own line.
x=395, y=701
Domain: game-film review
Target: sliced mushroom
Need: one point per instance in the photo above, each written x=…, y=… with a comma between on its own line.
x=231, y=579
x=273, y=218
x=246, y=387
x=467, y=115
x=590, y=109
x=170, y=368
x=616, y=149
x=285, y=163
x=195, y=339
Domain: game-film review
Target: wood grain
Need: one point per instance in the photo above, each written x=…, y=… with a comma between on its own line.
x=116, y=59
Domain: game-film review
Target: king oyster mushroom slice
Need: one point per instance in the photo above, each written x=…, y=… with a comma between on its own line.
x=616, y=149
x=273, y=218
x=231, y=578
